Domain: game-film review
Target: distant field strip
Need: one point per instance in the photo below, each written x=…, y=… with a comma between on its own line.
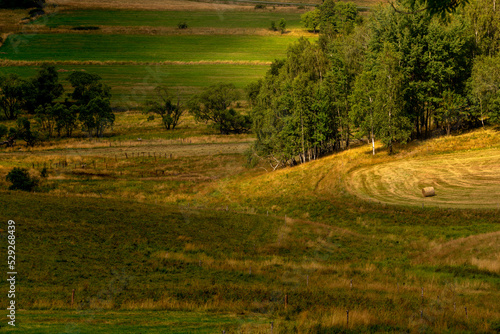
x=81, y=47
x=462, y=180
x=194, y=19
x=135, y=83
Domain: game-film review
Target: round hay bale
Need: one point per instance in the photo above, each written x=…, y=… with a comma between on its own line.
x=428, y=192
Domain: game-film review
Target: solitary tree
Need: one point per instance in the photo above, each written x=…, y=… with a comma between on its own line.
x=164, y=106
x=214, y=105
x=282, y=25
x=311, y=19
x=14, y=93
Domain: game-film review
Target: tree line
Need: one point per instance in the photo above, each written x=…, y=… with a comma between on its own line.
x=31, y=102
x=403, y=73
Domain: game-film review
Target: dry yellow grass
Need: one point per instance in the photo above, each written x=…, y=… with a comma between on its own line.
x=173, y=5
x=464, y=179
x=481, y=250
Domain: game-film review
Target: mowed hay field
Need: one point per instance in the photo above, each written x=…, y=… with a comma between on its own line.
x=463, y=180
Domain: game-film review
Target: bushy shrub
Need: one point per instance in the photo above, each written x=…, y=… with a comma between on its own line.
x=260, y=6
x=21, y=179
x=182, y=25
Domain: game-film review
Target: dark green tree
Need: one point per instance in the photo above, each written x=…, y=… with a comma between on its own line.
x=14, y=94
x=311, y=19
x=282, y=25
x=214, y=105
x=87, y=87
x=46, y=86
x=25, y=132
x=484, y=87
x=96, y=116
x=21, y=179
x=163, y=106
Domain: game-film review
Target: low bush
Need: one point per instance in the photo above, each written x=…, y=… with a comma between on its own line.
x=21, y=179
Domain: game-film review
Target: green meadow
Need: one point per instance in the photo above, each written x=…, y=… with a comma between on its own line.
x=194, y=19
x=133, y=84
x=97, y=47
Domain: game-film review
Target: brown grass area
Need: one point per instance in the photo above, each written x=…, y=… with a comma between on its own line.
x=10, y=21
x=176, y=147
x=173, y=5
x=481, y=250
x=465, y=179
x=157, y=31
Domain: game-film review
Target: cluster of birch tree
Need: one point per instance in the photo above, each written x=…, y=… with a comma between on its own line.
x=402, y=73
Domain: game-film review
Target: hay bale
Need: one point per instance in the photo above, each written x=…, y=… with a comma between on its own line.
x=428, y=192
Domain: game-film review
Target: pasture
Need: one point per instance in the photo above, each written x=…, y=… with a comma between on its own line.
x=98, y=47
x=173, y=232
x=195, y=19
x=133, y=84
x=237, y=245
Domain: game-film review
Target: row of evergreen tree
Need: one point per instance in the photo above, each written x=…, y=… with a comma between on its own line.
x=402, y=74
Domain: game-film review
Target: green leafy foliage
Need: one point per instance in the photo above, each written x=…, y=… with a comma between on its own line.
x=282, y=25
x=21, y=179
x=214, y=105
x=169, y=111
x=93, y=103
x=311, y=19
x=96, y=116
x=14, y=95
x=25, y=132
x=46, y=86
x=485, y=87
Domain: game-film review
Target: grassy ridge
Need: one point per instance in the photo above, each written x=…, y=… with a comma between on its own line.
x=194, y=19
x=79, y=47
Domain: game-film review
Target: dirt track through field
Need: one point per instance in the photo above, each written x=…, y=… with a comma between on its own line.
x=462, y=180
x=147, y=149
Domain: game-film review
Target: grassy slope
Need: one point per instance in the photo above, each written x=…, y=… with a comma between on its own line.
x=388, y=252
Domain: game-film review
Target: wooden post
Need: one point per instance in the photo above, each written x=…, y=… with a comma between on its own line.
x=72, y=297
x=347, y=322
x=307, y=280
x=466, y=315
x=286, y=301
x=421, y=314
x=350, y=284
x=126, y=156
